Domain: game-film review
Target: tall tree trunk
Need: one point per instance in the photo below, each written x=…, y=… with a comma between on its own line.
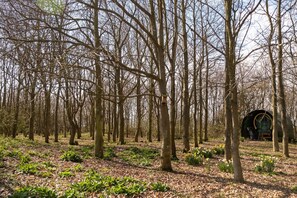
x=57, y=113
x=282, y=101
x=158, y=122
x=231, y=68
x=201, y=99
x=206, y=91
x=17, y=108
x=160, y=54
x=115, y=117
x=32, y=108
x=98, y=97
x=151, y=108
x=138, y=109
x=273, y=82
x=172, y=60
x=186, y=109
x=195, y=74
x=47, y=114
x=109, y=110
x=228, y=117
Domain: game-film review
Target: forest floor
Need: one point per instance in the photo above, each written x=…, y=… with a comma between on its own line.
x=132, y=170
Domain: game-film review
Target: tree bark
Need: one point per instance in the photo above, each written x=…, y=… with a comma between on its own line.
x=231, y=68
x=282, y=100
x=98, y=97
x=186, y=107
x=273, y=82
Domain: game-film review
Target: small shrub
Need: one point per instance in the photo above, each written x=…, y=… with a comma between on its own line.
x=24, y=159
x=34, y=192
x=129, y=190
x=219, y=150
x=33, y=153
x=139, y=156
x=72, y=156
x=1, y=159
x=28, y=168
x=267, y=164
x=159, y=187
x=45, y=174
x=95, y=182
x=194, y=160
x=65, y=174
x=87, y=151
x=72, y=193
x=78, y=168
x=206, y=153
x=226, y=166
x=207, y=165
x=48, y=164
x=109, y=153
x=294, y=189
x=14, y=154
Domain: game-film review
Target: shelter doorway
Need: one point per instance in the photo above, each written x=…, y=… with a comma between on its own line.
x=257, y=125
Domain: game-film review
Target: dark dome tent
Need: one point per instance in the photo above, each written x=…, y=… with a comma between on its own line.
x=257, y=125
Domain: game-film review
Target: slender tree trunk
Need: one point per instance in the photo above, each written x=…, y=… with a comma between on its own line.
x=282, y=100
x=56, y=114
x=17, y=109
x=115, y=118
x=92, y=120
x=231, y=65
x=98, y=112
x=158, y=123
x=195, y=132
x=32, y=108
x=206, y=92
x=109, y=115
x=47, y=115
x=160, y=54
x=151, y=108
x=186, y=109
x=228, y=116
x=273, y=82
x=201, y=100
x=138, y=109
x=172, y=60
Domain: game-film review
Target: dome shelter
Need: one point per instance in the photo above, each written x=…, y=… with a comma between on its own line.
x=257, y=125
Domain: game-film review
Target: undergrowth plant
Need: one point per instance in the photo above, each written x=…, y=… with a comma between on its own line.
x=226, y=166
x=34, y=192
x=219, y=150
x=28, y=168
x=24, y=159
x=109, y=153
x=66, y=173
x=139, y=156
x=73, y=193
x=78, y=168
x=87, y=150
x=15, y=153
x=95, y=182
x=72, y=156
x=159, y=187
x=1, y=159
x=194, y=160
x=267, y=164
x=294, y=189
x=45, y=174
x=206, y=153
